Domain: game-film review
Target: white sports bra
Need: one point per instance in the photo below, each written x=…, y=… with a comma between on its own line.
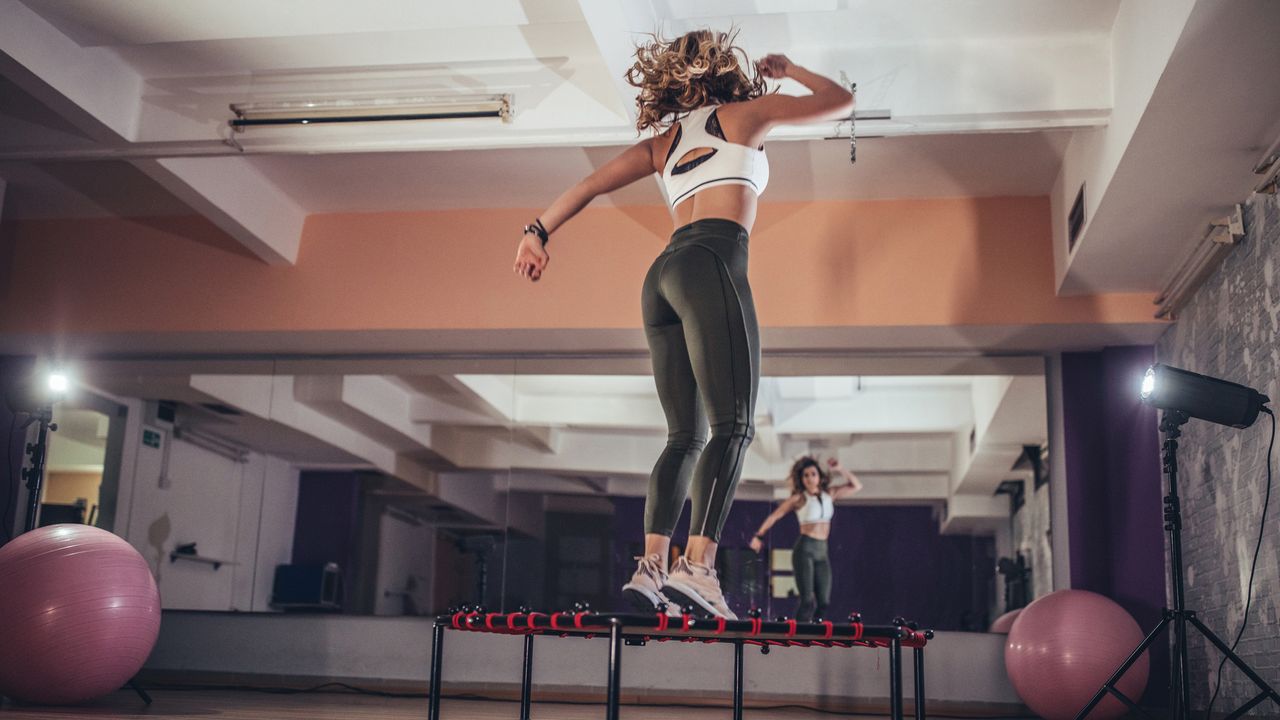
x=816, y=509
x=727, y=163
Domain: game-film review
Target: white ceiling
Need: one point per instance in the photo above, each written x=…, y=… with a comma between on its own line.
x=985, y=98
x=562, y=61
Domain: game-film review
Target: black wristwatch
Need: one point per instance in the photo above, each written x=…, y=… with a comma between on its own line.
x=537, y=228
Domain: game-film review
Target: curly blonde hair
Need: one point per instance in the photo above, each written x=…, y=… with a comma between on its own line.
x=699, y=68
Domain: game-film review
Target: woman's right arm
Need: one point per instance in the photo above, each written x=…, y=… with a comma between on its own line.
x=630, y=165
x=829, y=100
x=788, y=505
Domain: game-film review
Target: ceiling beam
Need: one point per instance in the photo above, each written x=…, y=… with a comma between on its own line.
x=1146, y=208
x=491, y=395
x=91, y=87
x=767, y=445
x=426, y=409
x=615, y=26
x=604, y=411
x=875, y=412
x=367, y=403
x=496, y=397
x=237, y=198
x=272, y=398
x=100, y=94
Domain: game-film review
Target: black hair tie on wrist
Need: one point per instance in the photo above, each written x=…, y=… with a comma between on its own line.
x=537, y=228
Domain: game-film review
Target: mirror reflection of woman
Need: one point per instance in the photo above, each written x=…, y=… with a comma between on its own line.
x=813, y=501
x=707, y=106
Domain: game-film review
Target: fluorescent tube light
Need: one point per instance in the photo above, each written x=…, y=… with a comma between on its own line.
x=359, y=110
x=1199, y=263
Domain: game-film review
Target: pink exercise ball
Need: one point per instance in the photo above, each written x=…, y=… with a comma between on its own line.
x=79, y=614
x=1003, y=623
x=1063, y=646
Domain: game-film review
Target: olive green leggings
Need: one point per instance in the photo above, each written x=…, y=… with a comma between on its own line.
x=705, y=345
x=813, y=577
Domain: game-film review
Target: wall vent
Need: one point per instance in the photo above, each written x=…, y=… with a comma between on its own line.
x=1075, y=220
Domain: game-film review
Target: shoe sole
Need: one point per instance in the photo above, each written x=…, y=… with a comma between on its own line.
x=640, y=602
x=685, y=597
x=642, y=599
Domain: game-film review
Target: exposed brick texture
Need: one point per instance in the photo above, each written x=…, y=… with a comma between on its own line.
x=1231, y=330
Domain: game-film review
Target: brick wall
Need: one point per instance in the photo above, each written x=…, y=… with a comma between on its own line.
x=1231, y=330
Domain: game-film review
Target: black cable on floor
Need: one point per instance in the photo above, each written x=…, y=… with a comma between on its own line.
x=1248, y=596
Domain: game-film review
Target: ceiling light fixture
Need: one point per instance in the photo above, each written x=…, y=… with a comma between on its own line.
x=1269, y=168
x=363, y=110
x=1203, y=258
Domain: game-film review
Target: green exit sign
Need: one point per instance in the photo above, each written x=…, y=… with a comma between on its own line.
x=151, y=438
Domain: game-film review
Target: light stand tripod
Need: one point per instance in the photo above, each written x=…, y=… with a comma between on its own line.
x=35, y=474
x=1179, y=687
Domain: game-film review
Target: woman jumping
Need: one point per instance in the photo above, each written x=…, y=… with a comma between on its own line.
x=707, y=105
x=813, y=501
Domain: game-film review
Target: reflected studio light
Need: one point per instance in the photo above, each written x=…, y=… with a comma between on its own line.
x=38, y=390
x=1201, y=396
x=58, y=383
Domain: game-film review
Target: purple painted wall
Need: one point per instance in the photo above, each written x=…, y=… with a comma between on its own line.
x=328, y=522
x=886, y=562
x=12, y=370
x=1115, y=515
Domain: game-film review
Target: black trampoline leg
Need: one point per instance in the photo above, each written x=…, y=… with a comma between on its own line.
x=895, y=679
x=526, y=679
x=737, y=680
x=437, y=647
x=919, y=673
x=615, y=670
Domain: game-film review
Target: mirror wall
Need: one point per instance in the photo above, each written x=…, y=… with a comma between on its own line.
x=302, y=486
x=949, y=529
x=408, y=486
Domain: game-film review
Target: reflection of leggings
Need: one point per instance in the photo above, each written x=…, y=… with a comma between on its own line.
x=704, y=341
x=813, y=577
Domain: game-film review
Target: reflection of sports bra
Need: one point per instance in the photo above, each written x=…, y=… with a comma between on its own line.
x=727, y=163
x=816, y=509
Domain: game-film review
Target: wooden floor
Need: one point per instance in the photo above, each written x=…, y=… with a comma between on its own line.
x=240, y=705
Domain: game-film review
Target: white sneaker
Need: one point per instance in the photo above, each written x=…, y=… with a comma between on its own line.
x=645, y=588
x=694, y=584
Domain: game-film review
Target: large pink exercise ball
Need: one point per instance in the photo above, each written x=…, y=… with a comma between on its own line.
x=79, y=614
x=1063, y=646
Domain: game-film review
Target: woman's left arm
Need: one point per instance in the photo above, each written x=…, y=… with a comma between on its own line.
x=852, y=484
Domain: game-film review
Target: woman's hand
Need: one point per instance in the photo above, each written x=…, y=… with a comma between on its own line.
x=774, y=66
x=851, y=483
x=531, y=257
x=756, y=544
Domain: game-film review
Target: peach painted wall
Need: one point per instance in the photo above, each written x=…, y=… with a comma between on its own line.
x=876, y=263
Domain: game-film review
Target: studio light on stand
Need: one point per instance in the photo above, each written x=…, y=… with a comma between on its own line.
x=1184, y=395
x=35, y=398
x=1200, y=396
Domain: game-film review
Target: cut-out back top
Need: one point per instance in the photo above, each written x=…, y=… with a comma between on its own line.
x=727, y=163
